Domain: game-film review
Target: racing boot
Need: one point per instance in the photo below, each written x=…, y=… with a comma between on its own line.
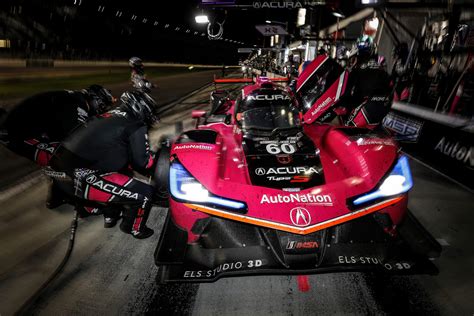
x=134, y=223
x=55, y=197
x=111, y=216
x=144, y=232
x=110, y=222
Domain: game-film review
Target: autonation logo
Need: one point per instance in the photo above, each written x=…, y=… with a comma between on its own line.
x=285, y=4
x=323, y=199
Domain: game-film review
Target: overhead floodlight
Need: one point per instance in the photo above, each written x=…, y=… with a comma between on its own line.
x=268, y=21
x=301, y=19
x=201, y=19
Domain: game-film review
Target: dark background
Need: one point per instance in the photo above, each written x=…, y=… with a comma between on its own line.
x=79, y=29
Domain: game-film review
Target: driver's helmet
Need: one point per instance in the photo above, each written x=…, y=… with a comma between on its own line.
x=267, y=109
x=365, y=46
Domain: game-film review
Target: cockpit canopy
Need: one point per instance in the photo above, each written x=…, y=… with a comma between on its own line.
x=268, y=109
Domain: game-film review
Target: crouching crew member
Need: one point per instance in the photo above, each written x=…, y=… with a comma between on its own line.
x=99, y=155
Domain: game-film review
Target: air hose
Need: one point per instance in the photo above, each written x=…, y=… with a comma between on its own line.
x=24, y=309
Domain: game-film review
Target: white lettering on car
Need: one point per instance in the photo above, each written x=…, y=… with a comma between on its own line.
x=193, y=146
x=232, y=266
x=297, y=198
x=321, y=106
x=265, y=97
x=275, y=149
x=285, y=171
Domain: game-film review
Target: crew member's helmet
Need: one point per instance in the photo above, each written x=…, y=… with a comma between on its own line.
x=140, y=105
x=365, y=46
x=100, y=99
x=135, y=63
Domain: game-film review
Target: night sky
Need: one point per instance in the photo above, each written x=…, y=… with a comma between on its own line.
x=155, y=30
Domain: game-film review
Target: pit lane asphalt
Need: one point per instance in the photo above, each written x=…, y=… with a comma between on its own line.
x=111, y=273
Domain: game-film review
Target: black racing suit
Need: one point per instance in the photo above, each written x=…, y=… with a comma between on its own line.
x=99, y=156
x=367, y=95
x=37, y=125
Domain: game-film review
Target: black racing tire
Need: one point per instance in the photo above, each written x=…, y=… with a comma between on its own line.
x=161, y=174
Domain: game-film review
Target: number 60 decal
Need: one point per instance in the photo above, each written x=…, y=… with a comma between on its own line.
x=275, y=149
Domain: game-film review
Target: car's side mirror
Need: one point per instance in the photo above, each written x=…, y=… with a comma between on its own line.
x=195, y=114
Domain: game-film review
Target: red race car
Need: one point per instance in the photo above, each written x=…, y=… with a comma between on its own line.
x=256, y=188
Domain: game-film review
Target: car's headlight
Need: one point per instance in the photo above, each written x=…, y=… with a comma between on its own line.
x=398, y=181
x=184, y=187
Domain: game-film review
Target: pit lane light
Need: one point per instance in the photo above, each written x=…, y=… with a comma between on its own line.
x=201, y=19
x=184, y=187
x=399, y=181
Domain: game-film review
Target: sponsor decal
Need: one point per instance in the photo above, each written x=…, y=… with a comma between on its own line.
x=456, y=150
x=296, y=198
x=82, y=115
x=42, y=146
x=110, y=188
x=291, y=189
x=379, y=99
x=321, y=106
x=266, y=97
x=373, y=260
x=300, y=174
x=80, y=173
x=259, y=4
x=375, y=141
x=233, y=266
x=285, y=170
x=118, y=112
x=193, y=146
x=300, y=216
x=409, y=129
x=292, y=244
x=54, y=174
x=91, y=179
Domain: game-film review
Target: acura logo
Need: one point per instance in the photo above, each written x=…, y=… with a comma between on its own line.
x=300, y=216
x=91, y=179
x=260, y=171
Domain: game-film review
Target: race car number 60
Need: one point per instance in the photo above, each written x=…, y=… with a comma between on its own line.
x=275, y=149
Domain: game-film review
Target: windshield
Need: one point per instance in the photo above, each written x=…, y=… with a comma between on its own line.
x=270, y=118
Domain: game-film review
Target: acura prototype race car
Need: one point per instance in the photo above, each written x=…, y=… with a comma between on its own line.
x=256, y=189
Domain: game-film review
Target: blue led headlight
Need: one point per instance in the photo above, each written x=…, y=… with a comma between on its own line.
x=398, y=181
x=184, y=187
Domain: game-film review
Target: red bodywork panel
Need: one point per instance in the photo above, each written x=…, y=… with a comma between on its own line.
x=353, y=165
